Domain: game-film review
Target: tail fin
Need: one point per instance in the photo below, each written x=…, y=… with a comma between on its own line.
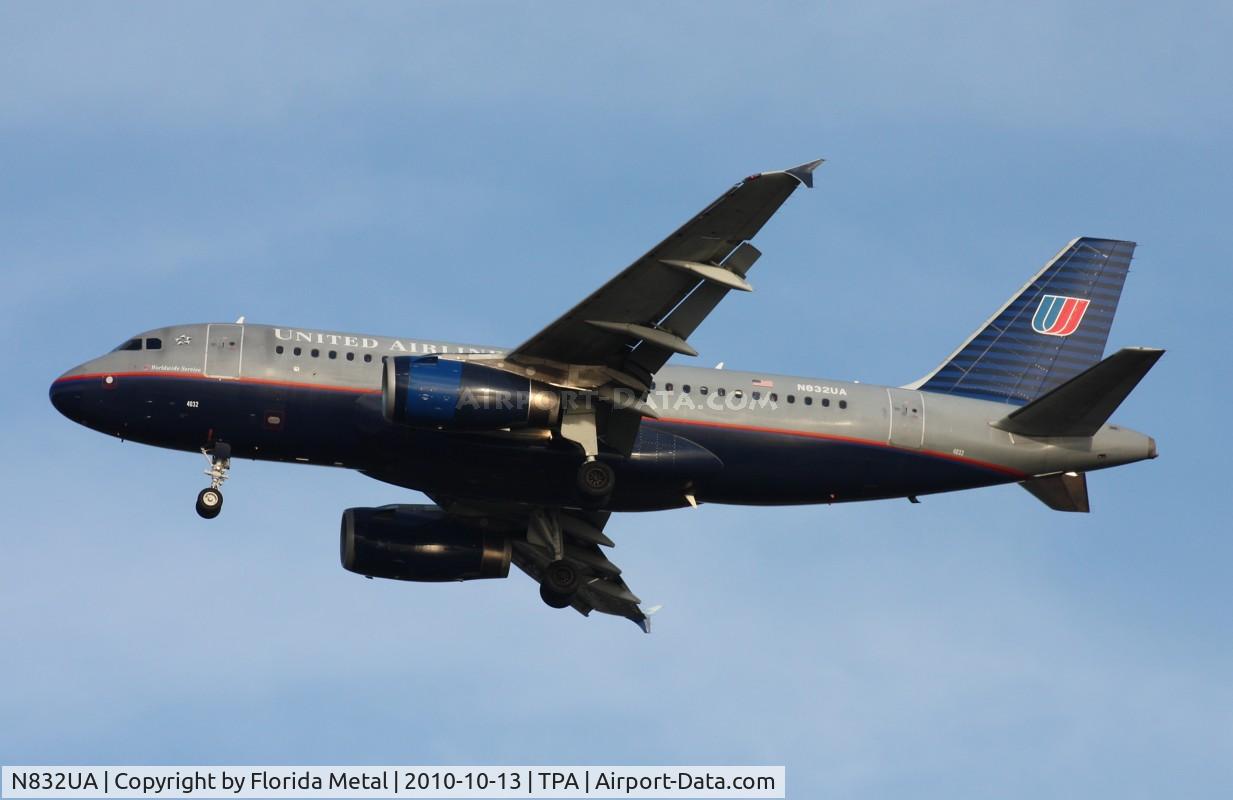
x=1054, y=328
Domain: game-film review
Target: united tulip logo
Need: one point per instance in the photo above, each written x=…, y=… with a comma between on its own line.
x=1059, y=316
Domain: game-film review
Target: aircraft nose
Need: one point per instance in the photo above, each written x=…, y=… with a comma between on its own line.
x=1151, y=447
x=66, y=396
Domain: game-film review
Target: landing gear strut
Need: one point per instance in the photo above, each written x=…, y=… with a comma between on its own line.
x=559, y=583
x=210, y=500
x=595, y=479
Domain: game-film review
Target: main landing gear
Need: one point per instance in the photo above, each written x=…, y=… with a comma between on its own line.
x=595, y=479
x=210, y=500
x=559, y=583
x=559, y=579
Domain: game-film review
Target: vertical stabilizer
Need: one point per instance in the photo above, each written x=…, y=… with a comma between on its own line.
x=1054, y=328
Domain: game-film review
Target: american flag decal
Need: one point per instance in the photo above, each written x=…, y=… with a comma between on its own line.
x=762, y=383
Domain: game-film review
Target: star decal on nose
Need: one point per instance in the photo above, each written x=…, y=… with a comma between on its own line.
x=184, y=338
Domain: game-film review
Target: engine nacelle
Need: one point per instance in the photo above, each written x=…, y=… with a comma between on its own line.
x=420, y=543
x=427, y=391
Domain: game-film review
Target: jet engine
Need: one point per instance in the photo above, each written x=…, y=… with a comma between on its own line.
x=420, y=543
x=427, y=391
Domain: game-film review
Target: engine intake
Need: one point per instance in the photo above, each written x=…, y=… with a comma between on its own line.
x=427, y=391
x=420, y=543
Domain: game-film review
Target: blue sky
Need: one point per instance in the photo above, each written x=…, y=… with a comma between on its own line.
x=467, y=172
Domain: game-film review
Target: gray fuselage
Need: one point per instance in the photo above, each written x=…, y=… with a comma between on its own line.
x=295, y=394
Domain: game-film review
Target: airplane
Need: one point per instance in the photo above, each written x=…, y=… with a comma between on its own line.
x=526, y=452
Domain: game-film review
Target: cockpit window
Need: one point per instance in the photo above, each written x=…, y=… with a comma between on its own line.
x=154, y=343
x=131, y=344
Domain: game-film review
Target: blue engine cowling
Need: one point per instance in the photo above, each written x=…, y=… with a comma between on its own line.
x=420, y=543
x=427, y=391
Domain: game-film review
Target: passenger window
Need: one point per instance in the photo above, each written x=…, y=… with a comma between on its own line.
x=685, y=388
x=315, y=353
x=843, y=403
x=721, y=391
x=367, y=358
x=154, y=343
x=297, y=351
x=738, y=394
x=774, y=397
x=351, y=356
x=808, y=401
x=333, y=354
x=791, y=398
x=756, y=395
x=667, y=387
x=826, y=401
x=279, y=349
x=704, y=390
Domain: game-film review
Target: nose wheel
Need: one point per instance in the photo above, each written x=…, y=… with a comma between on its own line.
x=210, y=499
x=209, y=503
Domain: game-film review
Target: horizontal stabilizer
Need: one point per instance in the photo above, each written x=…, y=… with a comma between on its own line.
x=1063, y=492
x=1085, y=402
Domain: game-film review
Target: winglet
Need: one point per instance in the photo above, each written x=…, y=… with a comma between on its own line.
x=644, y=621
x=804, y=173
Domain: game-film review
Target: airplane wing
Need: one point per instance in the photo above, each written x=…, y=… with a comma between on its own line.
x=603, y=589
x=620, y=336
x=577, y=535
x=629, y=327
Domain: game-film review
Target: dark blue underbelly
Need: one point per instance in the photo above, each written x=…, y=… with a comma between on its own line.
x=345, y=428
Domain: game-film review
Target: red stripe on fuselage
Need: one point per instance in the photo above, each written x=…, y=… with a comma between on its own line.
x=200, y=377
x=848, y=440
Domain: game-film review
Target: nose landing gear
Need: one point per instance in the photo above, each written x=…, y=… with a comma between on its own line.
x=210, y=500
x=209, y=503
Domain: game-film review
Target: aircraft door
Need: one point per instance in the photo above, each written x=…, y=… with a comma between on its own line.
x=907, y=418
x=224, y=351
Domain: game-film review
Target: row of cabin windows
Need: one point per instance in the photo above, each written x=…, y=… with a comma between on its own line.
x=825, y=402
x=315, y=353
x=152, y=343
